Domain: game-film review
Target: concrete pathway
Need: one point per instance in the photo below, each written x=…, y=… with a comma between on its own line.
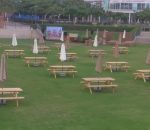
x=22, y=31
x=144, y=37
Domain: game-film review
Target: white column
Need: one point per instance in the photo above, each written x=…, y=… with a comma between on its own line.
x=129, y=20
x=69, y=17
x=99, y=19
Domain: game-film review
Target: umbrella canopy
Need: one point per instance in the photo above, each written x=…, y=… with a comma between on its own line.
x=99, y=63
x=120, y=38
x=104, y=34
x=3, y=68
x=104, y=37
x=14, y=40
x=148, y=58
x=116, y=50
x=62, y=36
x=35, y=47
x=95, y=41
x=63, y=53
x=97, y=32
x=87, y=33
x=124, y=34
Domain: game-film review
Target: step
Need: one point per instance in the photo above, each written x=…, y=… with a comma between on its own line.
x=142, y=40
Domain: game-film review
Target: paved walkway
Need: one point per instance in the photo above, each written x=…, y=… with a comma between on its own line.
x=144, y=37
x=22, y=31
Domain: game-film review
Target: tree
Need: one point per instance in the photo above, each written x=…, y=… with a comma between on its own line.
x=144, y=15
x=8, y=5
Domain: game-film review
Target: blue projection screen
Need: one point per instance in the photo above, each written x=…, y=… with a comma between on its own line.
x=53, y=33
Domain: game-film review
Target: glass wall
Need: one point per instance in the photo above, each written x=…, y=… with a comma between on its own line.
x=121, y=6
x=140, y=6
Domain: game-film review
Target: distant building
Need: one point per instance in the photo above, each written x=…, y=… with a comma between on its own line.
x=128, y=6
x=122, y=6
x=98, y=3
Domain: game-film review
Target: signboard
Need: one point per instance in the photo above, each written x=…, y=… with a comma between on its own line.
x=73, y=35
x=129, y=1
x=53, y=33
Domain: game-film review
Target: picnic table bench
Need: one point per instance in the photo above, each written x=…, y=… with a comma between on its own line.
x=14, y=53
x=43, y=49
x=11, y=94
x=142, y=74
x=117, y=66
x=36, y=61
x=71, y=56
x=99, y=83
x=122, y=50
x=95, y=53
x=62, y=70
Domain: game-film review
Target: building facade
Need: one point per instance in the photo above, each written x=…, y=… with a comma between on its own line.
x=98, y=3
x=128, y=6
x=124, y=6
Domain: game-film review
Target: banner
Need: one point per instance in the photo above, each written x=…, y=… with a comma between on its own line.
x=53, y=33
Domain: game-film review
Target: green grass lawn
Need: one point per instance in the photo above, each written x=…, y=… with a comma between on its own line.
x=64, y=104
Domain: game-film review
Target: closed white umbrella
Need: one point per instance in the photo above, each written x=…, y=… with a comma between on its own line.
x=97, y=32
x=3, y=68
x=62, y=36
x=95, y=41
x=116, y=50
x=14, y=40
x=148, y=58
x=124, y=34
x=120, y=38
x=104, y=37
x=63, y=53
x=87, y=33
x=35, y=47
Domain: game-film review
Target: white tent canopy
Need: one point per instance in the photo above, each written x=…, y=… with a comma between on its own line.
x=63, y=53
x=124, y=34
x=62, y=36
x=35, y=47
x=95, y=41
x=14, y=40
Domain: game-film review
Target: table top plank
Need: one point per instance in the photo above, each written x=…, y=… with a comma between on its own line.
x=98, y=79
x=13, y=50
x=11, y=90
x=144, y=71
x=116, y=62
x=62, y=66
x=38, y=58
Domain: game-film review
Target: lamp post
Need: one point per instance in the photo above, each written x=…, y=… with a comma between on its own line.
x=129, y=20
x=35, y=12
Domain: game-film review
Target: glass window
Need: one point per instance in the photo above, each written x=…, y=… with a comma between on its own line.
x=140, y=6
x=147, y=6
x=126, y=5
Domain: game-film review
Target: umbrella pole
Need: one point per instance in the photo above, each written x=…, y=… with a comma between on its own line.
x=35, y=59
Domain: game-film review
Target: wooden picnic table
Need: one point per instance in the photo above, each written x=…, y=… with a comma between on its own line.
x=62, y=69
x=36, y=61
x=93, y=83
x=43, y=49
x=11, y=94
x=142, y=74
x=95, y=53
x=116, y=66
x=14, y=53
x=70, y=56
x=122, y=50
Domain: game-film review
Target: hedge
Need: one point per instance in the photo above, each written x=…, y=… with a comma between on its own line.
x=69, y=27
